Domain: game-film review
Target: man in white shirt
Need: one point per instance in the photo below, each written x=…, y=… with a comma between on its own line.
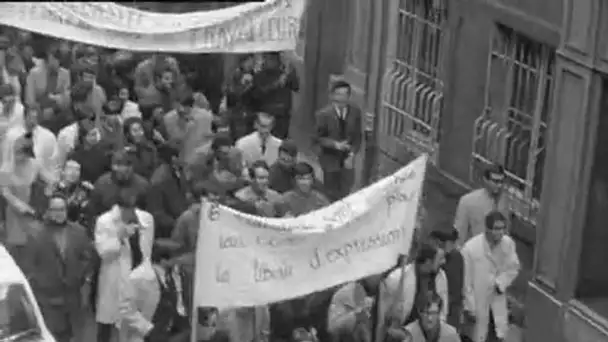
x=68, y=136
x=261, y=144
x=45, y=144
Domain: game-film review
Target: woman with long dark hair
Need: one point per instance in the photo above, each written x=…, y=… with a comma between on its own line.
x=143, y=150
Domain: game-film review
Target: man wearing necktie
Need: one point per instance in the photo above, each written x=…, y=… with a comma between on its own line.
x=261, y=144
x=338, y=134
x=123, y=240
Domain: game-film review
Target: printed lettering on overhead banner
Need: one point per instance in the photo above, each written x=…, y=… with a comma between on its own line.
x=268, y=26
x=245, y=260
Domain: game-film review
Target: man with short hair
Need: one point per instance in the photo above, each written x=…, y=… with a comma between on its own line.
x=474, y=206
x=272, y=91
x=261, y=144
x=400, y=292
x=280, y=177
x=303, y=198
x=491, y=266
x=80, y=112
x=108, y=186
x=429, y=326
x=123, y=240
x=45, y=143
x=258, y=193
x=454, y=272
x=59, y=269
x=339, y=135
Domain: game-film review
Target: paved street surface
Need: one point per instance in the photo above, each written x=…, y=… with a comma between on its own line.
x=515, y=334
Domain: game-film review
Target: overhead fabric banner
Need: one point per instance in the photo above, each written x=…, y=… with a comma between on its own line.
x=245, y=260
x=272, y=25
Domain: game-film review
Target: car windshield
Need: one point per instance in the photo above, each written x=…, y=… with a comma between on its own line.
x=17, y=315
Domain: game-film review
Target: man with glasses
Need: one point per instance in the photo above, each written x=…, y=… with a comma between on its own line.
x=429, y=326
x=474, y=206
x=491, y=266
x=58, y=266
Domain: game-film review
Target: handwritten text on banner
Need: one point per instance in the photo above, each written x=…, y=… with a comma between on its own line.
x=244, y=260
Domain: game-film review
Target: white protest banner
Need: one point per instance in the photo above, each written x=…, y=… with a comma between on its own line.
x=245, y=260
x=270, y=26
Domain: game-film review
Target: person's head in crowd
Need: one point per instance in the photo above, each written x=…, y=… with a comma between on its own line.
x=126, y=200
x=123, y=92
x=206, y=327
x=220, y=126
x=221, y=146
x=134, y=131
x=14, y=63
x=200, y=101
x=496, y=227
x=288, y=153
x=87, y=54
x=272, y=60
x=263, y=124
x=57, y=210
x=158, y=113
x=88, y=134
x=115, y=104
x=340, y=92
x=65, y=47
x=259, y=172
x=164, y=77
x=169, y=154
x=31, y=113
x=8, y=96
x=88, y=73
x=184, y=107
x=122, y=165
x=247, y=62
x=429, y=258
x=71, y=172
x=27, y=52
x=24, y=148
x=430, y=307
x=494, y=179
x=79, y=95
x=445, y=239
x=304, y=177
x=53, y=56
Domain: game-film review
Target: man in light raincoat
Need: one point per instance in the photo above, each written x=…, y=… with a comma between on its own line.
x=491, y=265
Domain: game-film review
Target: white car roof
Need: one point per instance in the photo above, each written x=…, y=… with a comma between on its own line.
x=11, y=273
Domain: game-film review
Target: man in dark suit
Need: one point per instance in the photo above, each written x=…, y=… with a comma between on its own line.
x=339, y=137
x=58, y=267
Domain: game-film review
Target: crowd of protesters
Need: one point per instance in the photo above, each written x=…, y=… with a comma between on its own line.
x=105, y=157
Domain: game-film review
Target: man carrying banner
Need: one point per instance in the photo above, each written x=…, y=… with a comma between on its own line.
x=403, y=289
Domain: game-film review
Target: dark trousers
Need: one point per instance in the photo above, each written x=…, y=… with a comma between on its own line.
x=338, y=184
x=105, y=331
x=281, y=126
x=492, y=330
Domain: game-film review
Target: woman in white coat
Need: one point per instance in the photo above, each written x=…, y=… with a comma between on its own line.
x=402, y=288
x=491, y=265
x=123, y=239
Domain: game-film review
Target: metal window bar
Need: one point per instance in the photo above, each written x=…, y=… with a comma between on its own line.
x=512, y=128
x=413, y=95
